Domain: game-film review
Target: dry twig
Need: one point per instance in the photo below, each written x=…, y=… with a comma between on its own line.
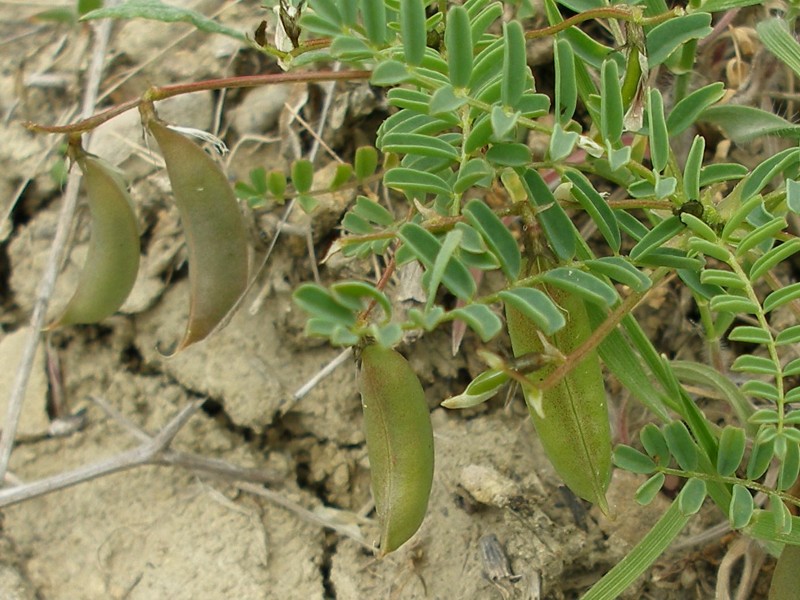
x=154, y=450
x=47, y=283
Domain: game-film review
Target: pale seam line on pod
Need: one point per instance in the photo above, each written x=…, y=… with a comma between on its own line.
x=112, y=261
x=399, y=439
x=215, y=233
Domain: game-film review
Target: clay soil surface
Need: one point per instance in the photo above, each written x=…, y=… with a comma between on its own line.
x=180, y=533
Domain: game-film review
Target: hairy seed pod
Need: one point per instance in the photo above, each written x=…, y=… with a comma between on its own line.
x=399, y=435
x=215, y=233
x=112, y=261
x=574, y=430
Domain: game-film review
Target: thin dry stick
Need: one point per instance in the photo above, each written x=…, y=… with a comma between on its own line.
x=148, y=452
x=188, y=460
x=47, y=283
x=152, y=451
x=712, y=534
x=322, y=374
x=305, y=514
x=747, y=551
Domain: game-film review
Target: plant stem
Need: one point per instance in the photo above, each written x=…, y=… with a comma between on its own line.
x=168, y=91
x=599, y=334
x=619, y=13
x=152, y=451
x=716, y=478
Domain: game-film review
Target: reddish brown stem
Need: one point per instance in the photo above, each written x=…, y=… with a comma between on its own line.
x=621, y=13
x=168, y=91
x=387, y=273
x=590, y=343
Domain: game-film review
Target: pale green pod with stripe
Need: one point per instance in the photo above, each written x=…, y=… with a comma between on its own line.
x=397, y=427
x=215, y=233
x=112, y=261
x=575, y=430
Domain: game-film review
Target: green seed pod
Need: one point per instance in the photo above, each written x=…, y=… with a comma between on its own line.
x=399, y=435
x=215, y=233
x=112, y=262
x=574, y=430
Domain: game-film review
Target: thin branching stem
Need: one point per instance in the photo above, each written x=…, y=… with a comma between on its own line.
x=168, y=91
x=151, y=451
x=598, y=335
x=618, y=13
x=717, y=478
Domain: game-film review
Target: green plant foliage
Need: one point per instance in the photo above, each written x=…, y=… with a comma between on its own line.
x=681, y=445
x=659, y=135
x=647, y=492
x=621, y=193
x=657, y=237
x=159, y=11
x=302, y=175
x=557, y=226
x=595, y=206
x=536, y=306
x=412, y=29
x=254, y=191
x=743, y=123
x=666, y=38
x=776, y=37
x=84, y=6
x=514, y=74
x=374, y=16
x=458, y=41
x=611, y=112
x=741, y=509
x=691, y=107
x=426, y=248
x=655, y=443
x=276, y=184
x=566, y=86
x=732, y=444
x=497, y=237
x=582, y=284
x=692, y=496
x=631, y=459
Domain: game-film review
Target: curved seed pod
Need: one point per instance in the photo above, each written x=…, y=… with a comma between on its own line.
x=574, y=430
x=399, y=435
x=112, y=261
x=215, y=233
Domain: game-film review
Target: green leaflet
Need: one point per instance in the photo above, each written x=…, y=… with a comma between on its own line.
x=515, y=67
x=744, y=123
x=566, y=86
x=425, y=247
x=497, y=237
x=413, y=31
x=458, y=41
x=611, y=113
x=664, y=39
